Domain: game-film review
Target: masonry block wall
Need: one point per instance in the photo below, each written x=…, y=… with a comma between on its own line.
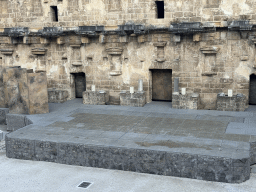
x=38, y=13
x=116, y=43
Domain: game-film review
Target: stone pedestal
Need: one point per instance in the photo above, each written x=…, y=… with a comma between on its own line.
x=234, y=103
x=95, y=97
x=188, y=101
x=57, y=96
x=137, y=99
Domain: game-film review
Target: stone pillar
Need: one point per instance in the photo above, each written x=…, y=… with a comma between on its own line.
x=140, y=87
x=176, y=85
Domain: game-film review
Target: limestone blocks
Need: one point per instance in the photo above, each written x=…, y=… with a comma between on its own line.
x=115, y=51
x=57, y=96
x=95, y=97
x=186, y=101
x=231, y=103
x=137, y=99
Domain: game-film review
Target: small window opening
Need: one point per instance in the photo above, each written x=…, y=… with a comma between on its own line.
x=160, y=9
x=54, y=12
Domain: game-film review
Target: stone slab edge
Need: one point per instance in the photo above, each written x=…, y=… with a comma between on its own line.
x=185, y=165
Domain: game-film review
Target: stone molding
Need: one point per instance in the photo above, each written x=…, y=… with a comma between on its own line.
x=7, y=51
x=209, y=50
x=38, y=51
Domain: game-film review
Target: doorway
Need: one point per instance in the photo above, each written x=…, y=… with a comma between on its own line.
x=80, y=84
x=252, y=90
x=161, y=84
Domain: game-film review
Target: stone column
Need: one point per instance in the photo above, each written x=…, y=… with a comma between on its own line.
x=140, y=87
x=176, y=85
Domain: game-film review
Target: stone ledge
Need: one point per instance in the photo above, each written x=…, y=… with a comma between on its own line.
x=178, y=164
x=15, y=121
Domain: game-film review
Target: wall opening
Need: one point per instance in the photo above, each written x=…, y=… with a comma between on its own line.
x=79, y=84
x=252, y=90
x=159, y=9
x=161, y=84
x=54, y=13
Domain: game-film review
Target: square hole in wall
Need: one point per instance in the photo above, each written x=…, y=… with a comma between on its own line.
x=160, y=9
x=54, y=13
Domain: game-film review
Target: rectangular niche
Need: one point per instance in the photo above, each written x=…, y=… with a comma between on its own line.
x=160, y=9
x=54, y=13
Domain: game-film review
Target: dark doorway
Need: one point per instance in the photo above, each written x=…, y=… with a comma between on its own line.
x=80, y=84
x=54, y=13
x=160, y=9
x=161, y=85
x=252, y=90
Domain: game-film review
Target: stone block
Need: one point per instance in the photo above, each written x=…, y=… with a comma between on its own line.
x=38, y=95
x=137, y=99
x=46, y=151
x=57, y=96
x=95, y=97
x=16, y=90
x=20, y=148
x=187, y=101
x=234, y=103
x=16, y=121
x=3, y=103
x=3, y=113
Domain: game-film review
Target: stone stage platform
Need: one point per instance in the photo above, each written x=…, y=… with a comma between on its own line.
x=154, y=139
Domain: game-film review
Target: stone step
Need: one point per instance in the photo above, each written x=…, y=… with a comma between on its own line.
x=203, y=159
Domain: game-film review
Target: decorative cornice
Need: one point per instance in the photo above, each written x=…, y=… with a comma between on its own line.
x=38, y=51
x=7, y=51
x=114, y=50
x=209, y=50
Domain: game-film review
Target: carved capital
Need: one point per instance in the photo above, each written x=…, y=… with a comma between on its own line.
x=159, y=44
x=114, y=50
x=210, y=50
x=38, y=51
x=7, y=51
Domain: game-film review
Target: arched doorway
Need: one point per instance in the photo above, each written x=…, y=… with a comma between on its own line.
x=252, y=90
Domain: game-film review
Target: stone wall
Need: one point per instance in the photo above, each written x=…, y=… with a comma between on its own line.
x=116, y=43
x=38, y=13
x=234, y=103
x=214, y=63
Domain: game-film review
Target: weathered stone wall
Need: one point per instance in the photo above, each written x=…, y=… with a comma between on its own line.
x=38, y=13
x=206, y=63
x=212, y=53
